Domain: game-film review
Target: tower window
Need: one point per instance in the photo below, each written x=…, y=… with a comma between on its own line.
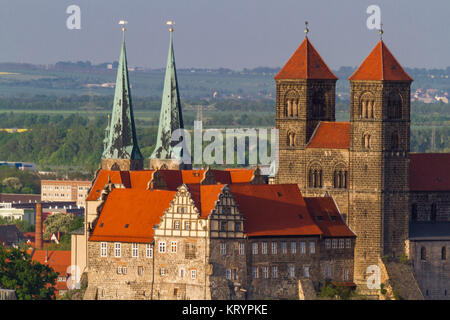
x=318, y=104
x=366, y=141
x=444, y=253
x=423, y=253
x=367, y=106
x=315, y=177
x=394, y=106
x=394, y=141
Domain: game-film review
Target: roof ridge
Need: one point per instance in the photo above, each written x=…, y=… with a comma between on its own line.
x=314, y=133
x=382, y=59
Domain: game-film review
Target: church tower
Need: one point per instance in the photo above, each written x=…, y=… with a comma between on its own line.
x=166, y=154
x=379, y=159
x=305, y=96
x=121, y=151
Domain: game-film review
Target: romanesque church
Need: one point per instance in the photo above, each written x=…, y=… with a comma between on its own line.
x=348, y=197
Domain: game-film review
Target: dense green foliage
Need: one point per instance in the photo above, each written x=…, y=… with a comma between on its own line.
x=13, y=180
x=30, y=279
x=22, y=225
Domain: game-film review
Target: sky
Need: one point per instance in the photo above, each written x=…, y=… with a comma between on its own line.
x=233, y=34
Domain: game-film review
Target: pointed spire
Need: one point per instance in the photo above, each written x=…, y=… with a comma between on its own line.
x=305, y=63
x=171, y=117
x=122, y=142
x=380, y=64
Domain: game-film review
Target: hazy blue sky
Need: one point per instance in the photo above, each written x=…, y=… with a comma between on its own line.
x=223, y=33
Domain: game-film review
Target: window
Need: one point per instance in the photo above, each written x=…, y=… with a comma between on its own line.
x=328, y=271
x=291, y=271
x=346, y=274
x=366, y=141
x=176, y=224
x=255, y=248
x=274, y=248
x=265, y=272
x=181, y=273
x=237, y=226
x=284, y=247
x=255, y=272
x=228, y=274
x=124, y=270
x=293, y=247
x=327, y=244
x=189, y=250
x=223, y=226
x=241, y=248
x=162, y=247
x=149, y=250
x=394, y=141
x=223, y=248
x=234, y=274
x=140, y=271
x=117, y=250
x=348, y=243
x=103, y=249
x=162, y=271
x=306, y=272
x=444, y=253
x=423, y=253
x=394, y=106
x=340, y=178
x=341, y=243
x=302, y=247
x=119, y=270
x=433, y=212
x=274, y=272
x=134, y=250
x=367, y=106
x=187, y=225
x=193, y=274
x=264, y=248
x=312, y=247
x=315, y=177
x=173, y=247
x=335, y=243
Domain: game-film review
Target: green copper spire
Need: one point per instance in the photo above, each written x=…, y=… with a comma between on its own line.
x=171, y=117
x=121, y=142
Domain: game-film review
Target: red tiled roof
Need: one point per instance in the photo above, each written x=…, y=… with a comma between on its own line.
x=326, y=208
x=273, y=210
x=305, y=63
x=331, y=135
x=205, y=197
x=429, y=172
x=139, y=209
x=380, y=64
x=58, y=260
x=241, y=175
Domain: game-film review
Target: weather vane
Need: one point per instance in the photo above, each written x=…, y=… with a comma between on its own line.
x=123, y=23
x=171, y=24
x=306, y=29
x=381, y=31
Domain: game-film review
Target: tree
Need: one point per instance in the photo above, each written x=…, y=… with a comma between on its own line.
x=57, y=222
x=31, y=280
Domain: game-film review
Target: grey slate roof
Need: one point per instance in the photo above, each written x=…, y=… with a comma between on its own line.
x=425, y=230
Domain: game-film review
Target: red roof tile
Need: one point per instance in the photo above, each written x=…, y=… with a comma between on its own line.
x=273, y=210
x=326, y=210
x=241, y=175
x=429, y=171
x=305, y=63
x=331, y=135
x=58, y=260
x=380, y=64
x=139, y=209
x=205, y=197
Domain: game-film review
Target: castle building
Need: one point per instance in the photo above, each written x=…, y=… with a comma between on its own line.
x=348, y=197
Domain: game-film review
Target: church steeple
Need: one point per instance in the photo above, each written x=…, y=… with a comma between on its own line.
x=121, y=149
x=165, y=154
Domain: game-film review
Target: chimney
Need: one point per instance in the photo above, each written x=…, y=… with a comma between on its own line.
x=38, y=235
x=46, y=256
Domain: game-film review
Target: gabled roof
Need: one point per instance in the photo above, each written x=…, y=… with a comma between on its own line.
x=327, y=217
x=205, y=197
x=429, y=172
x=305, y=63
x=130, y=214
x=380, y=64
x=331, y=135
x=274, y=210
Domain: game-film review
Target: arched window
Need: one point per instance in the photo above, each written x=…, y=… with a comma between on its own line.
x=291, y=139
x=394, y=106
x=394, y=141
x=366, y=141
x=292, y=104
x=340, y=177
x=423, y=253
x=433, y=212
x=414, y=212
x=315, y=177
x=318, y=104
x=367, y=106
x=444, y=253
